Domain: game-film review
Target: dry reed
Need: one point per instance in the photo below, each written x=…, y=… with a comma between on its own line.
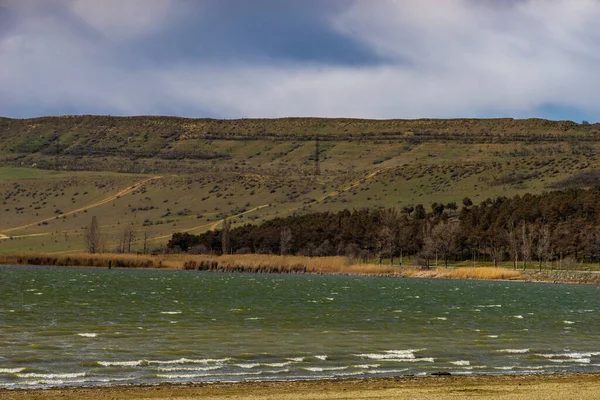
x=232, y=263
x=255, y=263
x=485, y=273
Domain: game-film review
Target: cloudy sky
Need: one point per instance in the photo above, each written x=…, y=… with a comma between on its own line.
x=274, y=58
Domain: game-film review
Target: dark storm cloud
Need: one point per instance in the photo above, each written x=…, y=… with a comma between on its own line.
x=267, y=58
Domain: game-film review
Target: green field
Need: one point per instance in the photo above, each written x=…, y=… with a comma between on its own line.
x=178, y=174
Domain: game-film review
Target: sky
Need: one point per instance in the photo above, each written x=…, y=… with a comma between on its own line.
x=321, y=58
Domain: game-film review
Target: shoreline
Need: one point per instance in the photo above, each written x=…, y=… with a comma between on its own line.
x=162, y=263
x=538, y=386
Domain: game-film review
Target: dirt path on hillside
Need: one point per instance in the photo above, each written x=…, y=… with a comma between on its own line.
x=352, y=185
x=123, y=192
x=212, y=225
x=216, y=224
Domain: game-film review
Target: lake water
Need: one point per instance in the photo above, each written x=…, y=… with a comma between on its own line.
x=76, y=327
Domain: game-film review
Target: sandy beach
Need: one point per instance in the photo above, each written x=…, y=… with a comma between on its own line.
x=530, y=387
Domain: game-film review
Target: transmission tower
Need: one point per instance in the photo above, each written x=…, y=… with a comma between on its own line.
x=57, y=159
x=317, y=166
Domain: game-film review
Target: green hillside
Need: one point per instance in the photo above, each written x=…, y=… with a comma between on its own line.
x=166, y=174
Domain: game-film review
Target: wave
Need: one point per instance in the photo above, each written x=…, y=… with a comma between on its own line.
x=138, y=363
x=323, y=369
x=193, y=376
x=52, y=382
x=413, y=360
x=573, y=355
x=170, y=312
x=572, y=360
x=408, y=354
x=30, y=375
x=366, y=366
x=464, y=363
x=181, y=369
x=514, y=351
x=89, y=335
x=11, y=370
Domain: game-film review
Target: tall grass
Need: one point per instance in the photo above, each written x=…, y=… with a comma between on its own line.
x=256, y=263
x=87, y=260
x=485, y=273
x=233, y=263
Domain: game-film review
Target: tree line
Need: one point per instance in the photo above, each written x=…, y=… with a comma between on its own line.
x=558, y=226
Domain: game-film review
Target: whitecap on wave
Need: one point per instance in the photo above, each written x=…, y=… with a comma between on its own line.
x=397, y=356
x=191, y=369
x=52, y=376
x=463, y=363
x=514, y=351
x=254, y=365
x=89, y=335
x=137, y=363
x=571, y=357
x=322, y=369
x=11, y=370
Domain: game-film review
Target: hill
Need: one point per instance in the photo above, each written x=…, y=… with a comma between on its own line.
x=167, y=174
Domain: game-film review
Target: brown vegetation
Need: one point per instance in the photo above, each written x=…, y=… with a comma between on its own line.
x=253, y=264
x=482, y=273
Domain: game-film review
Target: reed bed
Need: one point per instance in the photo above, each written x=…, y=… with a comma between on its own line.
x=253, y=263
x=283, y=264
x=484, y=273
x=257, y=263
x=87, y=260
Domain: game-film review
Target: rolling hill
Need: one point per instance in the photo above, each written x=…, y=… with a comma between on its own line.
x=168, y=174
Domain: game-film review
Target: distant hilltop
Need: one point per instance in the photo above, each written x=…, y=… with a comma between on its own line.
x=165, y=129
x=154, y=144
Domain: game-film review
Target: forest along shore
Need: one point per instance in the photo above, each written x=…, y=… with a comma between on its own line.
x=533, y=387
x=293, y=264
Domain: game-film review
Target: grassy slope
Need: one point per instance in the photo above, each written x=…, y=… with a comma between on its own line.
x=258, y=169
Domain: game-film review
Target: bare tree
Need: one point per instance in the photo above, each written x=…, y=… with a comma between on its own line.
x=225, y=237
x=92, y=237
x=385, y=243
x=285, y=240
x=388, y=233
x=513, y=245
x=495, y=240
x=527, y=236
x=428, y=249
x=403, y=236
x=145, y=241
x=543, y=245
x=127, y=238
x=444, y=238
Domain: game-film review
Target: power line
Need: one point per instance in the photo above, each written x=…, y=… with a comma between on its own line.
x=317, y=166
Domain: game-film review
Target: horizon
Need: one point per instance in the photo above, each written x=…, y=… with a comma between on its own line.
x=584, y=122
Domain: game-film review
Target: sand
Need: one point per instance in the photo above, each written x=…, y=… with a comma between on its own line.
x=530, y=387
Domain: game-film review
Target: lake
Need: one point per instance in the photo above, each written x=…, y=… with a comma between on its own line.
x=86, y=327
